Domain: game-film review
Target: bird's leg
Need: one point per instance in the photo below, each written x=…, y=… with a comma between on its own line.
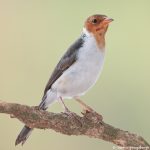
x=65, y=107
x=86, y=108
x=69, y=113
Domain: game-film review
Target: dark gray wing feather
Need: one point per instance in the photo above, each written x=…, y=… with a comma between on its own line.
x=65, y=62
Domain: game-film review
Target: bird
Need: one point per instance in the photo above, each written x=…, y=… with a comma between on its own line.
x=78, y=69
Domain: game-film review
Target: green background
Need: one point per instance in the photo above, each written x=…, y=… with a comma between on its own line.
x=33, y=36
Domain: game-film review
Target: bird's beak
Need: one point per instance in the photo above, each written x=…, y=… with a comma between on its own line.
x=107, y=20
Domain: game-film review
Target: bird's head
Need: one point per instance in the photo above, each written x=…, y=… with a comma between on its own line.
x=98, y=25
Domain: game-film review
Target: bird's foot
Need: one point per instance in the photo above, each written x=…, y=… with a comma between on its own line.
x=73, y=116
x=85, y=111
x=92, y=115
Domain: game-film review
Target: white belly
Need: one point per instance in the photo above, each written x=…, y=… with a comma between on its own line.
x=83, y=74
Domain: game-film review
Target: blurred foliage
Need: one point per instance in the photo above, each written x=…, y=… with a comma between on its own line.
x=34, y=35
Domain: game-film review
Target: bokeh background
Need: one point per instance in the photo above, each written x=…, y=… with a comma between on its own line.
x=33, y=36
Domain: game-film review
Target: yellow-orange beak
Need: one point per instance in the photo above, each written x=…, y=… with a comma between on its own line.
x=107, y=20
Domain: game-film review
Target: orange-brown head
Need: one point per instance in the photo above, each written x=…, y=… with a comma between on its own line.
x=97, y=25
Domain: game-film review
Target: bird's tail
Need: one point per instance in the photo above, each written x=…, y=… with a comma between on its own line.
x=48, y=99
x=23, y=135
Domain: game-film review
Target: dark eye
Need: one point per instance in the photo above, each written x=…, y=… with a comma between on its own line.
x=94, y=21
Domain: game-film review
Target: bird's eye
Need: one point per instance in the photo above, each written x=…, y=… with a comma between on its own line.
x=94, y=21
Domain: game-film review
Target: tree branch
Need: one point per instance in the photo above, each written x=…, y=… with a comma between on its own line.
x=90, y=124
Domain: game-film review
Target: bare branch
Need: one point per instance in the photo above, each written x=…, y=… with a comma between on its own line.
x=90, y=124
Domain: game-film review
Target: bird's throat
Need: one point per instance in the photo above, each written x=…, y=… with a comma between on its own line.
x=100, y=39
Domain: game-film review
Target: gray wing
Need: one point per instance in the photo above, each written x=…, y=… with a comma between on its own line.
x=65, y=62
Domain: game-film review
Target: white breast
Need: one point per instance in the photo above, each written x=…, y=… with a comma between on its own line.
x=83, y=74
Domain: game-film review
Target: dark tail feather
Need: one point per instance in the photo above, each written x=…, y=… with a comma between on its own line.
x=26, y=131
x=42, y=105
x=23, y=135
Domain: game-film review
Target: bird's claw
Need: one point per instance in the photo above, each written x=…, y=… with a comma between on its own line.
x=72, y=115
